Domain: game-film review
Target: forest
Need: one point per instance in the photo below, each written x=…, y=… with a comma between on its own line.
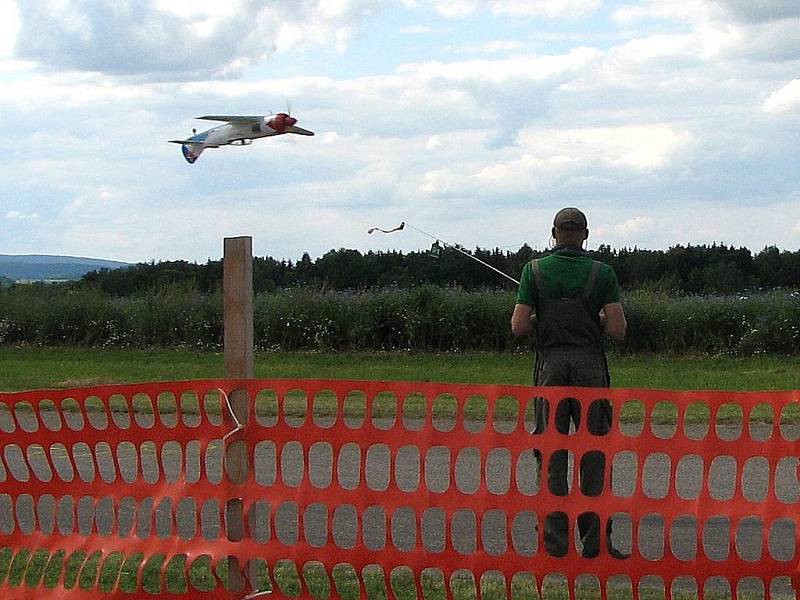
x=682, y=270
x=712, y=300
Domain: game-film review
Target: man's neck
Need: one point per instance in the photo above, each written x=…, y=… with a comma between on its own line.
x=570, y=247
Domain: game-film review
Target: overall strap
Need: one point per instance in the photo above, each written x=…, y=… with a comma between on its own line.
x=537, y=276
x=537, y=363
x=592, y=277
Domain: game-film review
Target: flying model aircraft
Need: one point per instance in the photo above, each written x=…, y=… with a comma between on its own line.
x=238, y=130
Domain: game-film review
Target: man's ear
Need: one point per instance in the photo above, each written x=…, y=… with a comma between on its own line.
x=553, y=232
x=586, y=233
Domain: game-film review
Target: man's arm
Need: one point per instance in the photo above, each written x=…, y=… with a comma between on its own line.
x=615, y=324
x=521, y=320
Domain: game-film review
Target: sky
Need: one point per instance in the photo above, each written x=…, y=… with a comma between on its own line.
x=667, y=121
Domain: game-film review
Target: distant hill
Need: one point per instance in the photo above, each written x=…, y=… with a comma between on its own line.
x=35, y=267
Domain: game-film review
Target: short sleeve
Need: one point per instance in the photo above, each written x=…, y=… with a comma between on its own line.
x=611, y=290
x=526, y=294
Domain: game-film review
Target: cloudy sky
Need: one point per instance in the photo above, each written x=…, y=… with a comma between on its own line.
x=668, y=121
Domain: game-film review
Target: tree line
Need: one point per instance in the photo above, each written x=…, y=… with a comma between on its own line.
x=700, y=269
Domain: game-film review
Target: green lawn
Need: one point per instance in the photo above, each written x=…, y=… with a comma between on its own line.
x=32, y=368
x=48, y=573
x=29, y=368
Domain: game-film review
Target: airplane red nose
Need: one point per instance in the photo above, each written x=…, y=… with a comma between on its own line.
x=281, y=121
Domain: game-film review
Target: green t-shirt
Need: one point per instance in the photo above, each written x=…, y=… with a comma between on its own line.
x=564, y=275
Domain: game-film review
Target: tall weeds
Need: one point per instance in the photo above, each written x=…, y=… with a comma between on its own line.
x=424, y=319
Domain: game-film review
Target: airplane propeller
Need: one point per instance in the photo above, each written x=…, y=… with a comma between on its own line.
x=281, y=121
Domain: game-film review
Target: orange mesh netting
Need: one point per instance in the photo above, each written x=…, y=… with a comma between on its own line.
x=404, y=486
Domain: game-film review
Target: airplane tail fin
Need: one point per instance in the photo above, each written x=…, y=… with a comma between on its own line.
x=191, y=150
x=190, y=153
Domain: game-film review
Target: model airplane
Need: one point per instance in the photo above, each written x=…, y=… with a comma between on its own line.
x=238, y=130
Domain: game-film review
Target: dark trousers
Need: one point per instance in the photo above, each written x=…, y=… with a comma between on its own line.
x=581, y=368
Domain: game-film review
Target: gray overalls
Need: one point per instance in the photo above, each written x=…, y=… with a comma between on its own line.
x=570, y=352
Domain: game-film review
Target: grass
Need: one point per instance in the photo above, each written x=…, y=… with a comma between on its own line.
x=93, y=572
x=30, y=367
x=37, y=368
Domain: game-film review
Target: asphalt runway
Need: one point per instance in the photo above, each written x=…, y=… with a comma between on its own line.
x=685, y=539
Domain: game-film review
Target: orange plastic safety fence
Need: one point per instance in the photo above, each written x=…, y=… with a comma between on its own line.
x=416, y=488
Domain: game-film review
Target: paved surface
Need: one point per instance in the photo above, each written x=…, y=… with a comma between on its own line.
x=716, y=538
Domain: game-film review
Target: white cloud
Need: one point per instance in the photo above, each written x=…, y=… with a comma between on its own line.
x=677, y=10
x=758, y=30
x=635, y=126
x=682, y=221
x=546, y=160
x=417, y=30
x=433, y=142
x=90, y=199
x=785, y=99
x=76, y=90
x=453, y=9
x=656, y=47
x=634, y=227
x=165, y=40
x=555, y=9
x=9, y=27
x=199, y=8
x=642, y=147
x=653, y=147
x=15, y=215
x=330, y=137
x=769, y=41
x=493, y=47
x=509, y=70
x=760, y=11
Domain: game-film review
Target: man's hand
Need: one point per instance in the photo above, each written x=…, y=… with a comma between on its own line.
x=614, y=325
x=523, y=320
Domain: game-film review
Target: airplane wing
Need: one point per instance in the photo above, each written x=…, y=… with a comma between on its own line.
x=191, y=140
x=233, y=118
x=298, y=130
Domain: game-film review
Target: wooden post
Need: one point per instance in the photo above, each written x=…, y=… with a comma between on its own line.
x=237, y=283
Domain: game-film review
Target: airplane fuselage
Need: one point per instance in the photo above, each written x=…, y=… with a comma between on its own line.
x=232, y=133
x=238, y=130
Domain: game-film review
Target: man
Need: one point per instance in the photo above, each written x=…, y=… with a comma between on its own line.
x=569, y=302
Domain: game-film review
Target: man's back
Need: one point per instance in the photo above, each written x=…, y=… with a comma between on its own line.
x=566, y=291
x=565, y=273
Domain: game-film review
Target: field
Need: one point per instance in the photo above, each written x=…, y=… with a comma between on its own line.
x=29, y=367
x=121, y=571
x=36, y=368
x=423, y=319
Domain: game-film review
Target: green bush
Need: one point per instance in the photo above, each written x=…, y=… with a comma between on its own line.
x=765, y=322
x=53, y=315
x=174, y=315
x=425, y=318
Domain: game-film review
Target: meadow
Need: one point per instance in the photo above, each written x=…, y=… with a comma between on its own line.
x=92, y=572
x=31, y=367
x=423, y=319
x=52, y=339
x=43, y=367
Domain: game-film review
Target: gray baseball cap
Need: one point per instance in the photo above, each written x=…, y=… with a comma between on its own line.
x=570, y=219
